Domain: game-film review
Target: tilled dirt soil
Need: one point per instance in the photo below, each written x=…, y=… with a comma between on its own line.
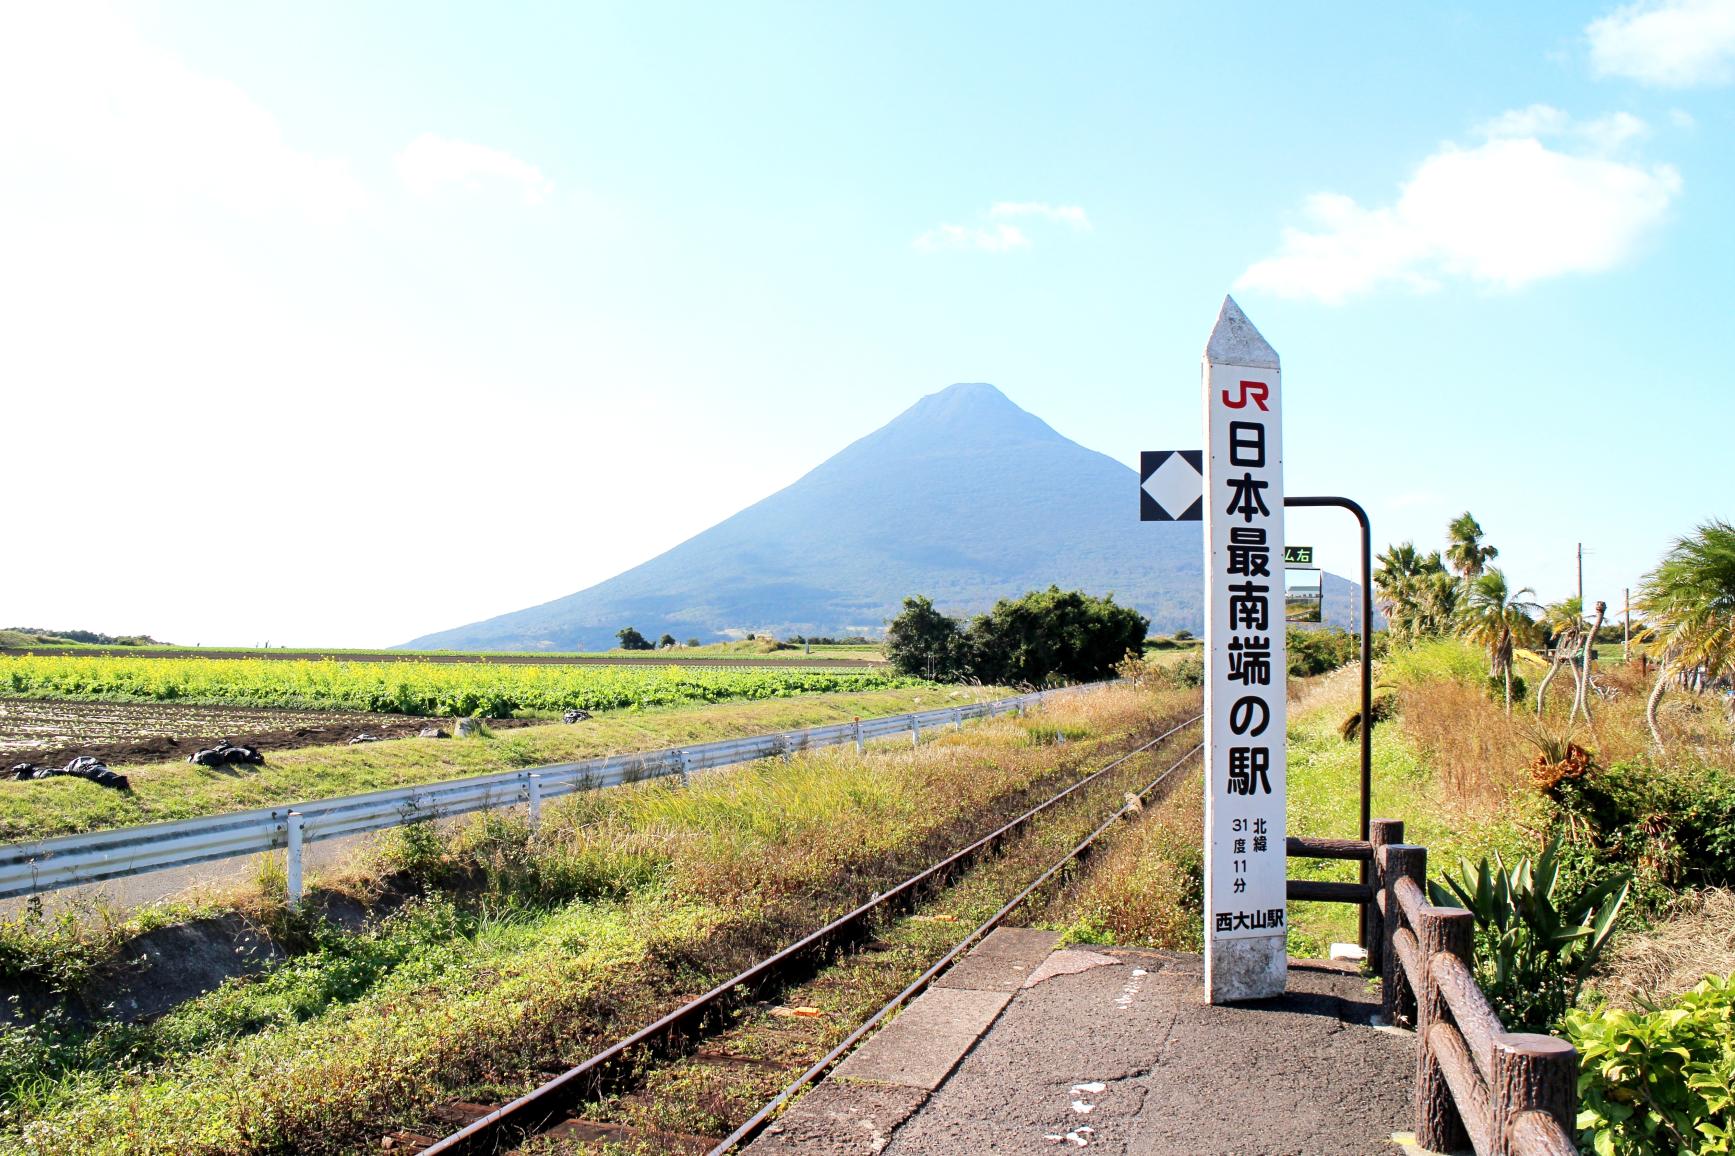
x=122, y=733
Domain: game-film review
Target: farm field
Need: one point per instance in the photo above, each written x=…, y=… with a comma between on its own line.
x=714, y=654
x=177, y=790
x=411, y=688
x=51, y=731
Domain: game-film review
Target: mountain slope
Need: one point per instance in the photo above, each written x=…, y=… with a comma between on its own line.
x=964, y=497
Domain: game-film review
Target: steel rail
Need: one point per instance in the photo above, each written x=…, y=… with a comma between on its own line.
x=757, y=1122
x=534, y=1110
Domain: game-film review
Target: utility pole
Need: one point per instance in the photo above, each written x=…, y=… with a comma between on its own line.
x=1627, y=629
x=1581, y=577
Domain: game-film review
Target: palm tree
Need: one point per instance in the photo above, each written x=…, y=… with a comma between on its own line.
x=1440, y=594
x=1689, y=602
x=1414, y=591
x=1465, y=551
x=1496, y=617
x=1395, y=584
x=1563, y=622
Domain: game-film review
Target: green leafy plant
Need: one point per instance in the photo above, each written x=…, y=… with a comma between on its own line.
x=1661, y=1079
x=1533, y=951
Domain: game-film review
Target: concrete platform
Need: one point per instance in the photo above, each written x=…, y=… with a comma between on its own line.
x=1021, y=1048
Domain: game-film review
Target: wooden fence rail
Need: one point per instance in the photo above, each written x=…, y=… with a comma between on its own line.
x=1476, y=1084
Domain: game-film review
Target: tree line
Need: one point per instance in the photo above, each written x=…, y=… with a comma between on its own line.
x=1046, y=636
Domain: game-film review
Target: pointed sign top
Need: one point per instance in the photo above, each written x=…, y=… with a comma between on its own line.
x=1234, y=341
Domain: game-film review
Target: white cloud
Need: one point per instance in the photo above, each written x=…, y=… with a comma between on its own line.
x=1072, y=215
x=1604, y=134
x=987, y=238
x=431, y=162
x=1669, y=43
x=996, y=234
x=1504, y=213
x=91, y=98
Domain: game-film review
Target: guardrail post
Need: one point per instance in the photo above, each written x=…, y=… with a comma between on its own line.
x=686, y=770
x=292, y=860
x=1382, y=834
x=915, y=731
x=957, y=719
x=1443, y=930
x=1403, y=861
x=855, y=728
x=535, y=800
x=1532, y=1074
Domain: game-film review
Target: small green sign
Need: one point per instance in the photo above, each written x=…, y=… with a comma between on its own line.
x=1298, y=555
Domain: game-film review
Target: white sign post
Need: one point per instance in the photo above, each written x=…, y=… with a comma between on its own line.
x=1246, y=667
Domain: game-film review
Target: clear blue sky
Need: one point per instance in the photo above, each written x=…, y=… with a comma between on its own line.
x=336, y=324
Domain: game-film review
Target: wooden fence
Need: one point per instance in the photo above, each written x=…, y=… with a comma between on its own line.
x=1476, y=1085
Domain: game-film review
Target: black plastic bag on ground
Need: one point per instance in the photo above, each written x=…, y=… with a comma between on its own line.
x=224, y=753
x=82, y=767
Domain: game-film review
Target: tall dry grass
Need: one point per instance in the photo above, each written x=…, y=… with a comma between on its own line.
x=1479, y=756
x=1696, y=939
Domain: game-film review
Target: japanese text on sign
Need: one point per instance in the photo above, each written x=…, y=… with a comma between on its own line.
x=1247, y=664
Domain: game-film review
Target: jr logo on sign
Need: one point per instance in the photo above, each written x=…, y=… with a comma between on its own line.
x=1254, y=391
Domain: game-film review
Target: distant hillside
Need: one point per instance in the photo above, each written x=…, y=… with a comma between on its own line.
x=35, y=636
x=964, y=497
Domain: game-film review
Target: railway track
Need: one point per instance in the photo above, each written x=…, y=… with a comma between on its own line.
x=740, y=1078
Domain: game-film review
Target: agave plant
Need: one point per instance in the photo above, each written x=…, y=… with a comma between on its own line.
x=1532, y=954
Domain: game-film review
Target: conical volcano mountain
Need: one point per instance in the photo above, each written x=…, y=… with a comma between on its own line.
x=963, y=497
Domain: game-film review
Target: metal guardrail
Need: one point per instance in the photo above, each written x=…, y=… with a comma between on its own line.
x=71, y=860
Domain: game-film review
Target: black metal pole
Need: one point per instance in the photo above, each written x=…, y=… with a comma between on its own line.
x=1367, y=670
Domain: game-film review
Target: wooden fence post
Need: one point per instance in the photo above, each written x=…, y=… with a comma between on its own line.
x=1442, y=930
x=1532, y=1074
x=1382, y=833
x=1403, y=861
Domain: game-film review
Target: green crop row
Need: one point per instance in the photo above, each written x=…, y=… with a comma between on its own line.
x=414, y=688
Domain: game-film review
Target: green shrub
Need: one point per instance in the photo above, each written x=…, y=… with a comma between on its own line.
x=1660, y=1080
x=1187, y=674
x=1532, y=950
x=1437, y=660
x=1318, y=651
x=1672, y=826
